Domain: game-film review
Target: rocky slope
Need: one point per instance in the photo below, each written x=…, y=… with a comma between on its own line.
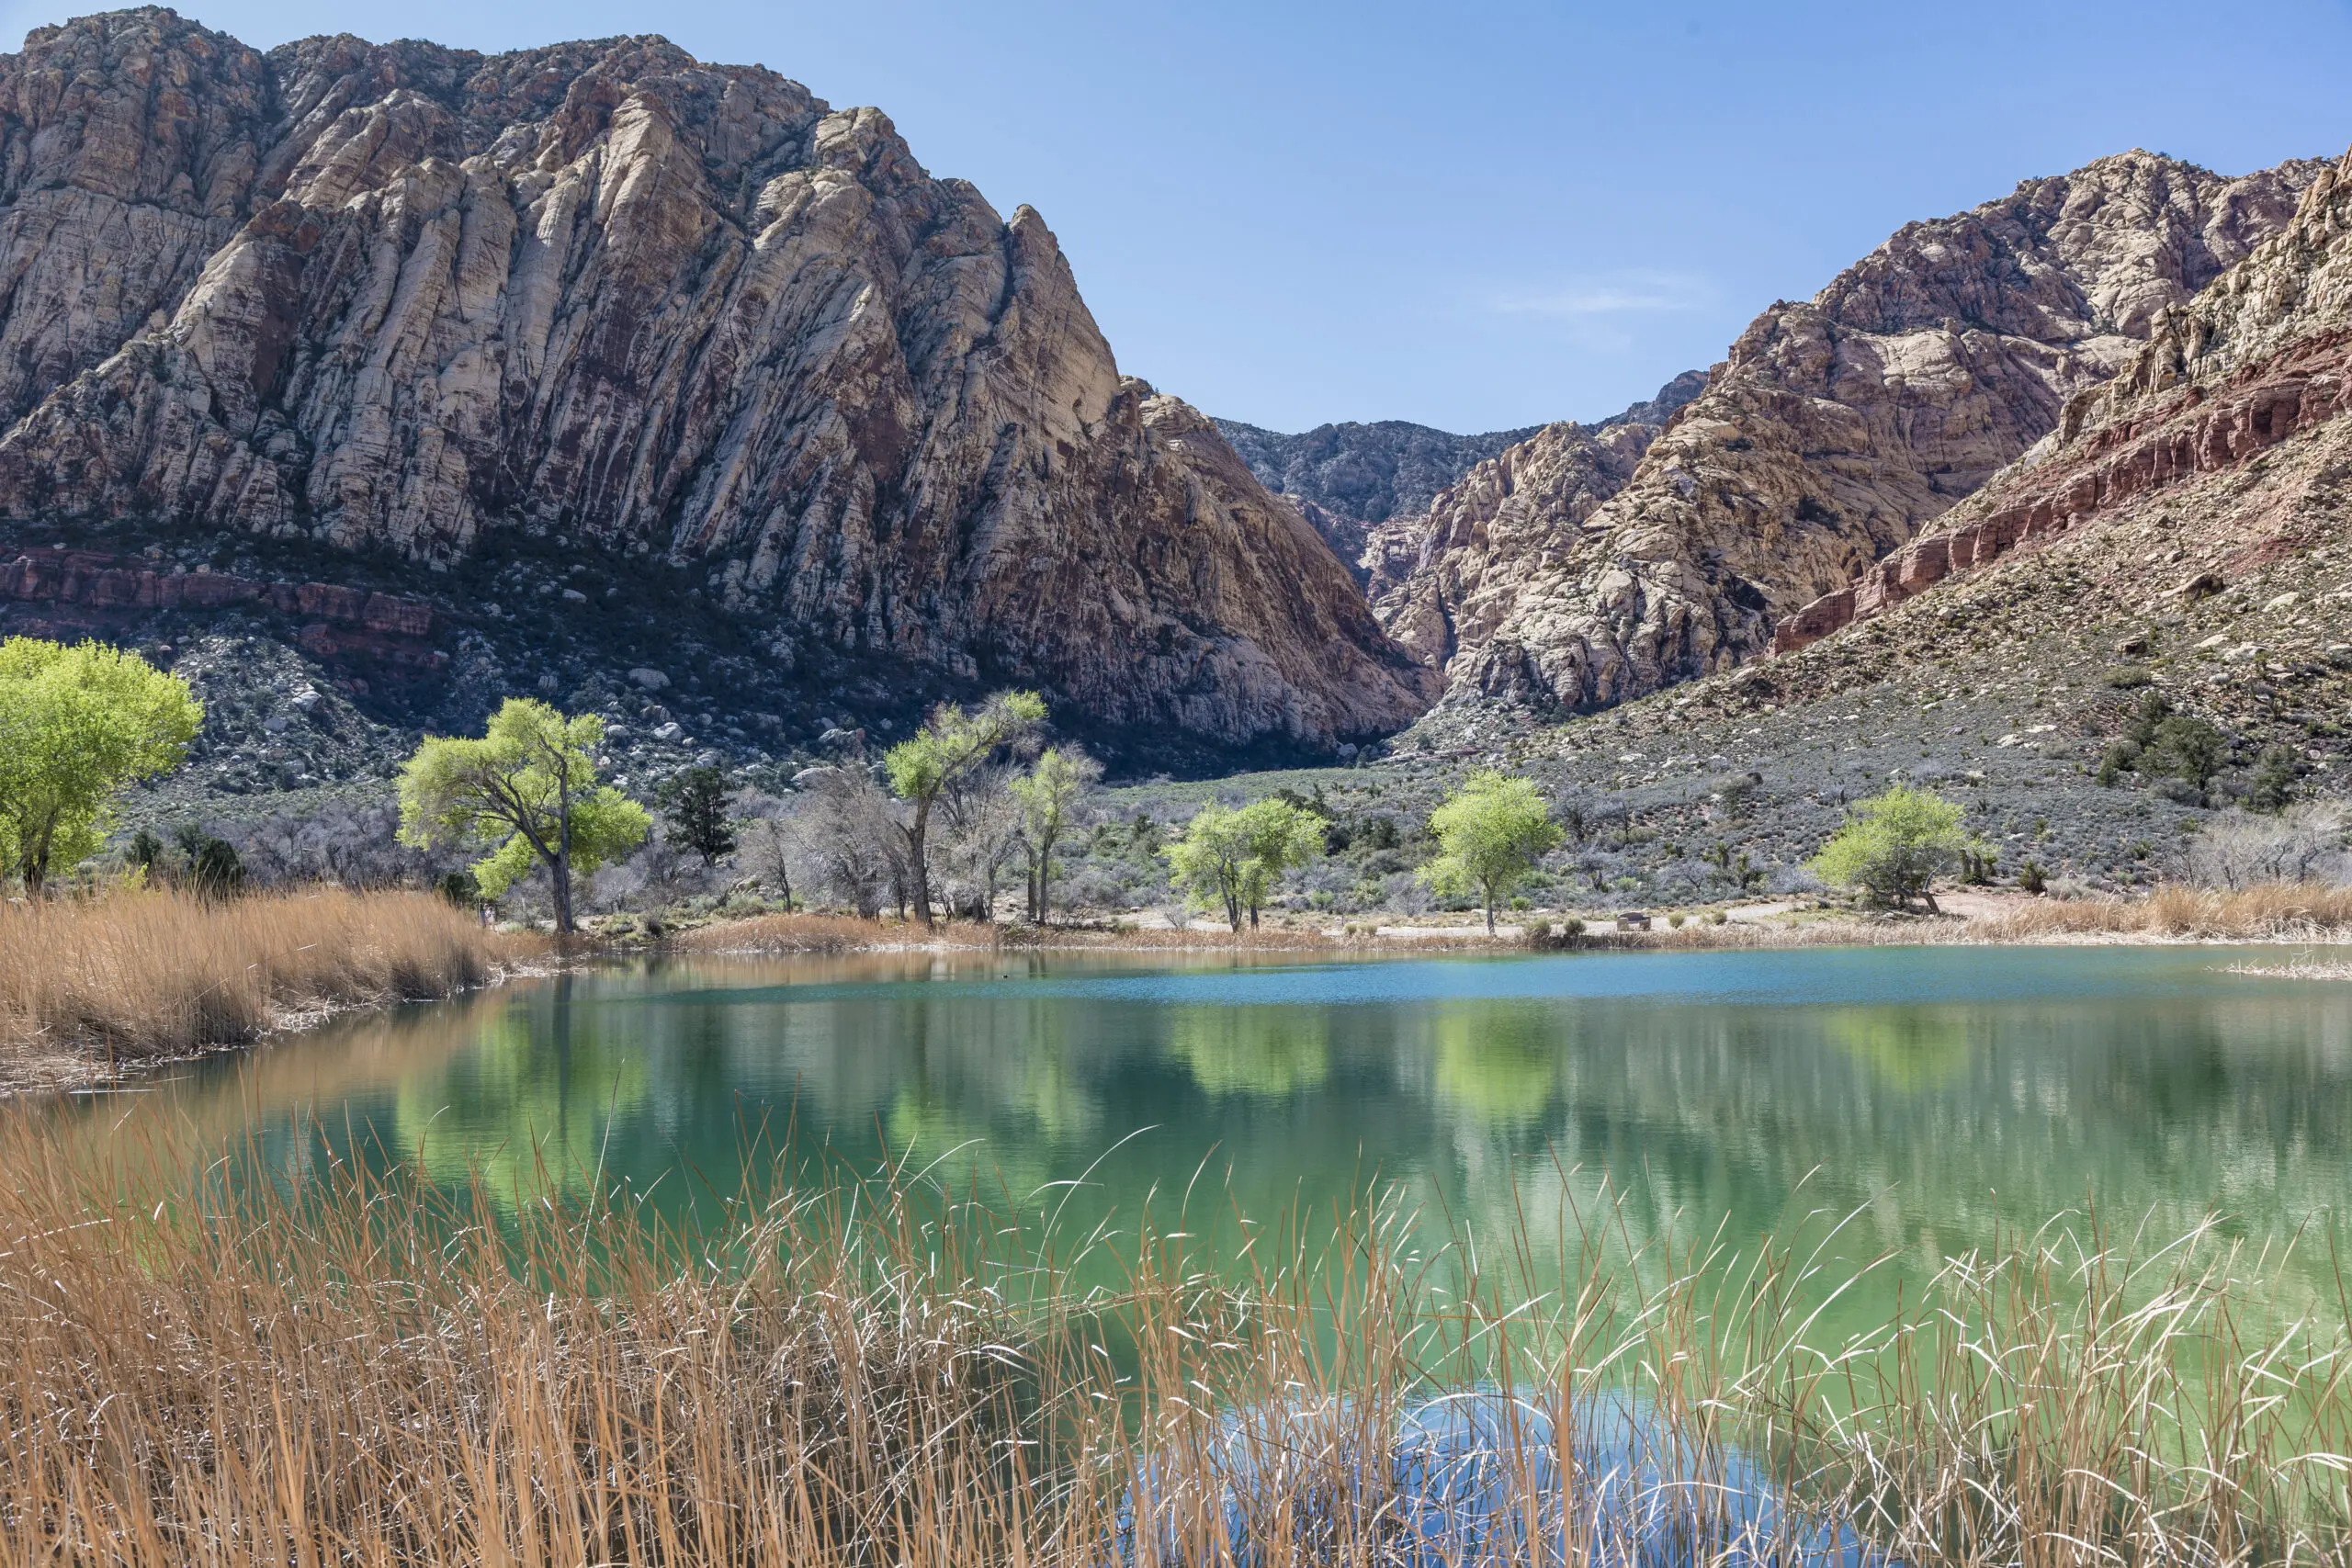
x=618, y=310
x=2181, y=538
x=2261, y=357
x=1445, y=578
x=1838, y=427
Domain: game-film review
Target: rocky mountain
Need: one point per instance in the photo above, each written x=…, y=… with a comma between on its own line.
x=604, y=312
x=2262, y=359
x=1351, y=481
x=1346, y=479
x=1838, y=427
x=2177, y=545
x=1446, y=576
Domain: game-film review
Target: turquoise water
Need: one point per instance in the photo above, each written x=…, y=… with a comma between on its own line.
x=1931, y=1097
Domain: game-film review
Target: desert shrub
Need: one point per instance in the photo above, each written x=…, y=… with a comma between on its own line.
x=2272, y=784
x=2237, y=850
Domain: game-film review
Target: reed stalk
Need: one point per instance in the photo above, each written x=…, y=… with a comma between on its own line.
x=207, y=1363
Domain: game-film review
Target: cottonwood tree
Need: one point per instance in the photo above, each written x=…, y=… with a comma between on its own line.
x=78, y=726
x=1490, y=833
x=1209, y=860
x=1894, y=846
x=527, y=787
x=1232, y=858
x=1049, y=796
x=1281, y=837
x=950, y=747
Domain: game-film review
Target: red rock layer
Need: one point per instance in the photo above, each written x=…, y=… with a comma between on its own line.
x=341, y=620
x=2199, y=430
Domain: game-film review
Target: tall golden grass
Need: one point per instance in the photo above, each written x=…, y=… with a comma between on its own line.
x=807, y=932
x=136, y=975
x=200, y=1372
x=2275, y=910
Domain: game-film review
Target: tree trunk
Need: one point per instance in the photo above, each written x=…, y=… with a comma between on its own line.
x=559, y=878
x=919, y=865
x=33, y=860
x=1490, y=919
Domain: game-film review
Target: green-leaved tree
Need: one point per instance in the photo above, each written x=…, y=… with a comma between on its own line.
x=1209, y=860
x=79, y=725
x=1893, y=845
x=950, y=747
x=1048, y=794
x=527, y=787
x=695, y=805
x=1281, y=837
x=1490, y=833
x=1230, y=859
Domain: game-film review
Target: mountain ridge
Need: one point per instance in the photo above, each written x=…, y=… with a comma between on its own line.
x=1836, y=427
x=410, y=300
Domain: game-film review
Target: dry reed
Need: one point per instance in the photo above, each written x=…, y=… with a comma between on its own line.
x=804, y=932
x=205, y=1371
x=134, y=976
x=2268, y=911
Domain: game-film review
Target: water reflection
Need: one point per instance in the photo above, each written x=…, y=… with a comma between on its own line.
x=532, y=1101
x=1268, y=1052
x=1936, y=1095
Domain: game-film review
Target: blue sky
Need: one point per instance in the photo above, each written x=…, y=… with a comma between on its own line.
x=1476, y=217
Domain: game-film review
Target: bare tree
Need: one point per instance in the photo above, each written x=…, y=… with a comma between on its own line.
x=2303, y=844
x=351, y=846
x=851, y=830
x=983, y=823
x=773, y=842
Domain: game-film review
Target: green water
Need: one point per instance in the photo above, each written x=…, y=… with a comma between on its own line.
x=1936, y=1096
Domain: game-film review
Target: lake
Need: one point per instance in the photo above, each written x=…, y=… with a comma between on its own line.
x=1932, y=1099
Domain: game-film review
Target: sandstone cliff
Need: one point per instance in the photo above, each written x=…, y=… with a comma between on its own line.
x=406, y=298
x=1838, y=427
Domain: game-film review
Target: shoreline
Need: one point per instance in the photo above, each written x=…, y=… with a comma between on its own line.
x=30, y=1077
x=28, y=1072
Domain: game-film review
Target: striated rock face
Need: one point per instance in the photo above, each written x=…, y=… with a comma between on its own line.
x=2261, y=355
x=1449, y=576
x=1838, y=427
x=401, y=296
